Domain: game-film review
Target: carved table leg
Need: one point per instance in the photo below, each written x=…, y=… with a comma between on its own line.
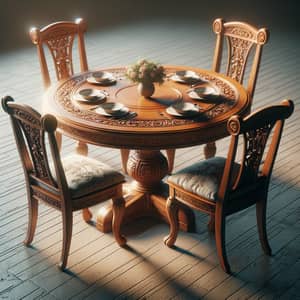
x=148, y=168
x=87, y=215
x=135, y=207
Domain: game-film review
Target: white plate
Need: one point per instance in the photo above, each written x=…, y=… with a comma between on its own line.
x=183, y=109
x=112, y=109
x=90, y=95
x=203, y=92
x=186, y=76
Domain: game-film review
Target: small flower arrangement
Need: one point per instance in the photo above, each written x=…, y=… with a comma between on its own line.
x=146, y=71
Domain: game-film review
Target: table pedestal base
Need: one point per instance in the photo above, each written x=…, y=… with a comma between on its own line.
x=149, y=195
x=144, y=205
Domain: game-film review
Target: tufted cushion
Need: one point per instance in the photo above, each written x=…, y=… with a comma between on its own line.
x=85, y=175
x=202, y=178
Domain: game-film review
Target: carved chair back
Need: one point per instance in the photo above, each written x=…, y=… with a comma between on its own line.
x=255, y=130
x=241, y=38
x=31, y=132
x=59, y=38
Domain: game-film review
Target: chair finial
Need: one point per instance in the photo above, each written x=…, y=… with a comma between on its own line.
x=218, y=25
x=4, y=102
x=290, y=104
x=82, y=23
x=34, y=35
x=234, y=125
x=49, y=123
x=262, y=36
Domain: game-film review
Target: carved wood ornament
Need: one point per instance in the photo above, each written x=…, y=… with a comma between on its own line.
x=60, y=44
x=31, y=131
x=255, y=143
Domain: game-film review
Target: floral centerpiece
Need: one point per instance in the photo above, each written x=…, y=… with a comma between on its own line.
x=146, y=73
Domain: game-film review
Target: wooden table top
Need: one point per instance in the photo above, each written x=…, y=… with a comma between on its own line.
x=152, y=127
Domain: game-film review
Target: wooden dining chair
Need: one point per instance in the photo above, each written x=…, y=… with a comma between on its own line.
x=59, y=38
x=69, y=183
x=242, y=39
x=222, y=186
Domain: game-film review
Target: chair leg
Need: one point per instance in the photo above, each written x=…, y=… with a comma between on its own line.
x=67, y=218
x=87, y=215
x=82, y=148
x=211, y=223
x=118, y=213
x=171, y=158
x=58, y=137
x=32, y=220
x=124, y=159
x=210, y=150
x=172, y=211
x=261, y=208
x=220, y=240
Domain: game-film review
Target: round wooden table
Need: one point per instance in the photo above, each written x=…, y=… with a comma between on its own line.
x=146, y=129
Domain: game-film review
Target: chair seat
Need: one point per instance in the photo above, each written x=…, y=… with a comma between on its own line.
x=202, y=178
x=86, y=175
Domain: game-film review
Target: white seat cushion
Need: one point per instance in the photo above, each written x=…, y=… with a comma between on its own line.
x=85, y=175
x=202, y=178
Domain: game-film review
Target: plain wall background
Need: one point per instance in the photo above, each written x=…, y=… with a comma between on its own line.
x=17, y=16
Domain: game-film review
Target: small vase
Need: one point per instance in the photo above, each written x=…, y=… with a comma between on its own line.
x=146, y=89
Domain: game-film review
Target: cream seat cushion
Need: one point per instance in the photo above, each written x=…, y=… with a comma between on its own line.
x=86, y=175
x=202, y=178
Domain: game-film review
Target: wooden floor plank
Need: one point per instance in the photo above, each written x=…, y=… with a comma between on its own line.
x=202, y=284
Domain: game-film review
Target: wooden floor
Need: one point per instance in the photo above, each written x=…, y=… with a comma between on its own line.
x=98, y=268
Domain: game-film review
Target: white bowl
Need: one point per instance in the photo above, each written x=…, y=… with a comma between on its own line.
x=112, y=107
x=185, y=107
x=186, y=74
x=203, y=92
x=102, y=76
x=88, y=94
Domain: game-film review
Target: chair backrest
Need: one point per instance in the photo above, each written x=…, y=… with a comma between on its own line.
x=255, y=129
x=241, y=38
x=59, y=38
x=30, y=134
